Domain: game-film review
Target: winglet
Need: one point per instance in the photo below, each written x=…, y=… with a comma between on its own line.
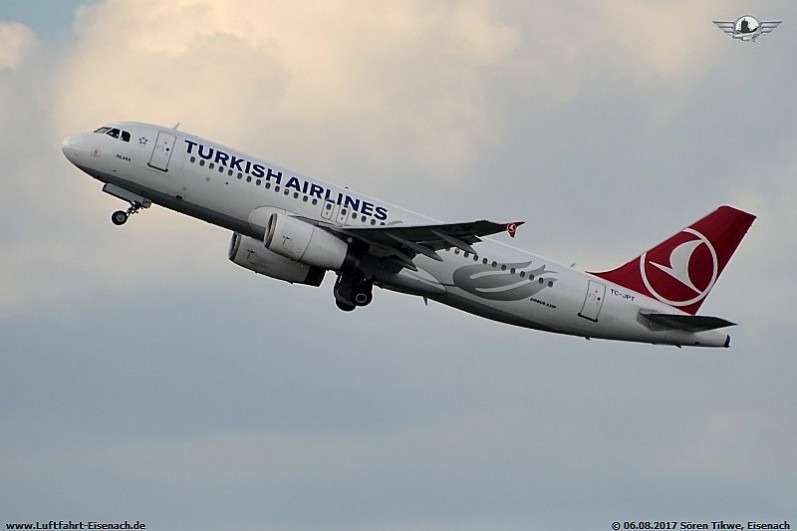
x=512, y=227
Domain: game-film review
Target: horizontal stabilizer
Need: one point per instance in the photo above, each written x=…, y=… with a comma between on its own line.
x=688, y=323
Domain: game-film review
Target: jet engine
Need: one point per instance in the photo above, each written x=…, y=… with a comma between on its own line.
x=250, y=253
x=305, y=243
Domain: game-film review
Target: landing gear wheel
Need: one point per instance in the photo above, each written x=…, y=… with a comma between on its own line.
x=119, y=217
x=352, y=290
x=345, y=307
x=363, y=292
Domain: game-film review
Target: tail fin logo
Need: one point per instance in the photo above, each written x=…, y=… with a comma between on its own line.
x=689, y=262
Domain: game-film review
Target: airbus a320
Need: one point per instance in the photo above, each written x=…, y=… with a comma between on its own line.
x=296, y=229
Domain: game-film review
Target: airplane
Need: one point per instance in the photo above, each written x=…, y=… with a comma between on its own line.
x=295, y=228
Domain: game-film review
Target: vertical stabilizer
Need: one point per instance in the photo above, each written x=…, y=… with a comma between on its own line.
x=681, y=270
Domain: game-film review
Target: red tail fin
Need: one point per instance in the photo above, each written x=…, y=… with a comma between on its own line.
x=682, y=270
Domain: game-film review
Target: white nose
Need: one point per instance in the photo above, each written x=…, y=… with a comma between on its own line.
x=72, y=148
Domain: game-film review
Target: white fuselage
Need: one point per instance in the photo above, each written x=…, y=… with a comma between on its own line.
x=233, y=190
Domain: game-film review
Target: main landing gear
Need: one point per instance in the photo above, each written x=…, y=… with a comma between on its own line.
x=353, y=290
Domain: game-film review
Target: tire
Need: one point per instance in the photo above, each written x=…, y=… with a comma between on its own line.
x=345, y=307
x=363, y=298
x=119, y=217
x=363, y=293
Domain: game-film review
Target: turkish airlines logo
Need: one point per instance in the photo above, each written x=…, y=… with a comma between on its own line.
x=682, y=271
x=512, y=228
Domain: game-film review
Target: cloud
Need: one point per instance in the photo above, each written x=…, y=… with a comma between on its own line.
x=16, y=42
x=379, y=81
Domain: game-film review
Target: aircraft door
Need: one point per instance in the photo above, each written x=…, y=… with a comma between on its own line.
x=162, y=151
x=593, y=301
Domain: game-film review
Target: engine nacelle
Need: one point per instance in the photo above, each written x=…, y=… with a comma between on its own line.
x=251, y=253
x=305, y=243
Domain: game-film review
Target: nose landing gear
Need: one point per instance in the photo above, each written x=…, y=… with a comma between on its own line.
x=353, y=290
x=137, y=202
x=120, y=216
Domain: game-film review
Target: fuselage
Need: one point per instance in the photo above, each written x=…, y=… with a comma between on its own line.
x=237, y=191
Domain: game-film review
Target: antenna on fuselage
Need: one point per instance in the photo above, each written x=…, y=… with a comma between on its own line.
x=176, y=126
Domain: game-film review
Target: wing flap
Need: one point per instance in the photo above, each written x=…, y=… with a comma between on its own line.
x=411, y=240
x=433, y=237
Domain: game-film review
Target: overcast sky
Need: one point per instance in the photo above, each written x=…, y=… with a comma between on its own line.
x=144, y=376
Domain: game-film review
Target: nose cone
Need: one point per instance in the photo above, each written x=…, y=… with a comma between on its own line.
x=69, y=147
x=74, y=148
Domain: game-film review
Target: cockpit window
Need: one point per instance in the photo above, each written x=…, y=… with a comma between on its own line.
x=115, y=133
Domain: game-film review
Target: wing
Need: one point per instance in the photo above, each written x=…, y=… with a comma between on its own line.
x=767, y=27
x=727, y=27
x=400, y=243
